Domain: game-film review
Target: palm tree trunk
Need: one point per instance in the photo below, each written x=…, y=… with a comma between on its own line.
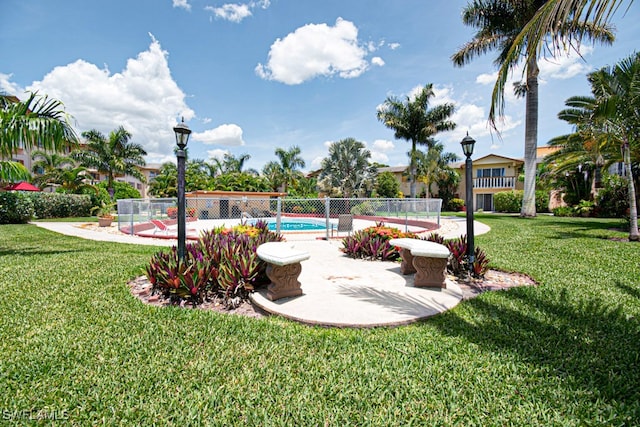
x=530, y=141
x=412, y=171
x=634, y=236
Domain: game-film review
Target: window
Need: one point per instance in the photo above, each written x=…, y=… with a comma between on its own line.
x=484, y=202
x=489, y=172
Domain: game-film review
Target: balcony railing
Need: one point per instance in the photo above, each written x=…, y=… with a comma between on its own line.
x=495, y=182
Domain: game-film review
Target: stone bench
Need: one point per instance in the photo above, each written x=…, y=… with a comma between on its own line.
x=283, y=268
x=427, y=259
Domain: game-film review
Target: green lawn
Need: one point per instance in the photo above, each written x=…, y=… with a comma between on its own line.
x=75, y=344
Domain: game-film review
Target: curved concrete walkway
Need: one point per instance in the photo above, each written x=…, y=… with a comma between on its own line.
x=337, y=290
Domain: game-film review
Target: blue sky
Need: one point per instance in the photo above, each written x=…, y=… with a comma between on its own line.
x=253, y=76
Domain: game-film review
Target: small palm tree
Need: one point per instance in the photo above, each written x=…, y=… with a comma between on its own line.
x=165, y=183
x=112, y=156
x=48, y=166
x=414, y=121
x=430, y=164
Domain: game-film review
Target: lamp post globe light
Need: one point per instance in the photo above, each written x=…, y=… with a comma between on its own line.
x=182, y=132
x=468, y=144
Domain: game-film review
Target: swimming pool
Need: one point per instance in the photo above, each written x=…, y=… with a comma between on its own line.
x=297, y=224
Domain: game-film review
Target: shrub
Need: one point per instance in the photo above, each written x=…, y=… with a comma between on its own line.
x=61, y=205
x=564, y=211
x=364, y=208
x=584, y=208
x=373, y=243
x=121, y=190
x=511, y=201
x=172, y=212
x=459, y=261
x=222, y=264
x=613, y=198
x=15, y=208
x=456, y=205
x=507, y=201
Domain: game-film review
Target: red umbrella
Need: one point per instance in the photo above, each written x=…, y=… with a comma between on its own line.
x=22, y=186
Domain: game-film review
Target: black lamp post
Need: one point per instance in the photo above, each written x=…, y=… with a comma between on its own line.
x=467, y=148
x=182, y=137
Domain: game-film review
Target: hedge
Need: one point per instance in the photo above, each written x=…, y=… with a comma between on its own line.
x=60, y=205
x=511, y=201
x=15, y=208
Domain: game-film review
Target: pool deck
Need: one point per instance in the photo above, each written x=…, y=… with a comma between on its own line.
x=337, y=290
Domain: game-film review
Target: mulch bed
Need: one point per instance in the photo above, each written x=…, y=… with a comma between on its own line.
x=494, y=280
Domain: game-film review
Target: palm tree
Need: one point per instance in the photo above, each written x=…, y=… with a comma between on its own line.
x=290, y=161
x=430, y=164
x=564, y=20
x=412, y=120
x=347, y=167
x=48, y=166
x=617, y=91
x=112, y=156
x=272, y=172
x=499, y=24
x=74, y=180
x=165, y=183
x=37, y=122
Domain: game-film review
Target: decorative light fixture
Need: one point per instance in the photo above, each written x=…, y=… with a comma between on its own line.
x=182, y=132
x=468, y=144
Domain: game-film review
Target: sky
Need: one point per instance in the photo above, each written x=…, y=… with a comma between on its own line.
x=257, y=75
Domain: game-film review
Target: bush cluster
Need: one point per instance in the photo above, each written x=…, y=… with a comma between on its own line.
x=60, y=205
x=613, y=198
x=455, y=205
x=373, y=243
x=223, y=264
x=15, y=208
x=511, y=201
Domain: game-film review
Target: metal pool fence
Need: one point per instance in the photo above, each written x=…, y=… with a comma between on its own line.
x=134, y=214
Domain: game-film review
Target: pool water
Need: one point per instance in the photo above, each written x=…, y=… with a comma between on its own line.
x=300, y=224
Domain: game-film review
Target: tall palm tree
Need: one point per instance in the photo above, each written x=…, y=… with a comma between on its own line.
x=564, y=20
x=617, y=91
x=112, y=156
x=290, y=161
x=37, y=122
x=499, y=24
x=414, y=121
x=347, y=166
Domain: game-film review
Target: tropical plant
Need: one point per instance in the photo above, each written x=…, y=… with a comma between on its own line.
x=372, y=243
x=430, y=165
x=240, y=181
x=37, y=122
x=47, y=167
x=165, y=183
x=222, y=264
x=413, y=120
x=304, y=187
x=289, y=162
x=112, y=156
x=617, y=90
x=499, y=24
x=347, y=167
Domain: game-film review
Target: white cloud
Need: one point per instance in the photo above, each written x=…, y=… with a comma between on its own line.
x=377, y=61
x=383, y=145
x=182, y=3
x=487, y=79
x=231, y=12
x=227, y=134
x=315, y=50
x=218, y=153
x=8, y=87
x=565, y=65
x=143, y=98
x=394, y=46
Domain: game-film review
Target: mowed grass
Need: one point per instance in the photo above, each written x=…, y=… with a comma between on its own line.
x=73, y=341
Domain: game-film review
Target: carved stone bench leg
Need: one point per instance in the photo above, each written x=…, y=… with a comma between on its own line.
x=284, y=281
x=407, y=262
x=430, y=272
